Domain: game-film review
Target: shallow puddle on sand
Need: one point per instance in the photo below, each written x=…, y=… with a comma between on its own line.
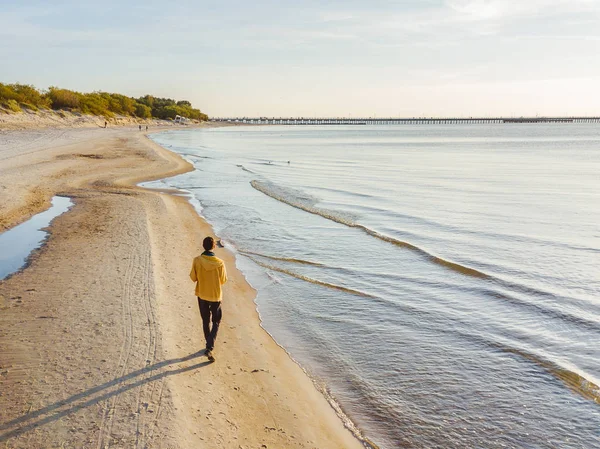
x=17, y=243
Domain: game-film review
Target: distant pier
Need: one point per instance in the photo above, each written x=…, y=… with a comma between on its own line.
x=400, y=121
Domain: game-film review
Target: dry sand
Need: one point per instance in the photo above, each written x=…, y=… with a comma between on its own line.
x=45, y=118
x=99, y=336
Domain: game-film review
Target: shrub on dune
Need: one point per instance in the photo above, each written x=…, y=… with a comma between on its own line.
x=29, y=106
x=63, y=98
x=12, y=105
x=94, y=104
x=15, y=97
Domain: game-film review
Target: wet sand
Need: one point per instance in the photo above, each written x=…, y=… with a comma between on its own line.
x=100, y=335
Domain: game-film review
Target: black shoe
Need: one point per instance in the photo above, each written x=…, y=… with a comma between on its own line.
x=209, y=354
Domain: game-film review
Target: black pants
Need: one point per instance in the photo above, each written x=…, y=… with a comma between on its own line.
x=208, y=308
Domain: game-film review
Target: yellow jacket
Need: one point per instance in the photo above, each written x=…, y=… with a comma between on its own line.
x=208, y=271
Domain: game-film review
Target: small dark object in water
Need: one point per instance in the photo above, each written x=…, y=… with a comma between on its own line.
x=220, y=244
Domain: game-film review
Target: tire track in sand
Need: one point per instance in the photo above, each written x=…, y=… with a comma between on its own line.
x=108, y=413
x=138, y=353
x=143, y=406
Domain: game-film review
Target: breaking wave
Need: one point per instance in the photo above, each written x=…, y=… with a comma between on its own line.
x=307, y=204
x=283, y=259
x=308, y=279
x=574, y=381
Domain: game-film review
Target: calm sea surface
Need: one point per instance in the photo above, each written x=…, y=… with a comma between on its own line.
x=442, y=283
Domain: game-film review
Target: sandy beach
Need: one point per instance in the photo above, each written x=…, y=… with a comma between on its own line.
x=100, y=336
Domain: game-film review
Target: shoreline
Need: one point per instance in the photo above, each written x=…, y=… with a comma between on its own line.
x=112, y=277
x=321, y=388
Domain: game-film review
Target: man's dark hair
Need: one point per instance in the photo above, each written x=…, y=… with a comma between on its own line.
x=208, y=243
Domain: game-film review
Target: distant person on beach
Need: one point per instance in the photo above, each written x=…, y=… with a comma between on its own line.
x=140, y=127
x=105, y=123
x=146, y=127
x=208, y=272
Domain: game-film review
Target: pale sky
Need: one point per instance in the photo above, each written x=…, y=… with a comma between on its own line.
x=316, y=58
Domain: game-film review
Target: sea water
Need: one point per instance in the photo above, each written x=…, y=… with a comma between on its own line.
x=441, y=283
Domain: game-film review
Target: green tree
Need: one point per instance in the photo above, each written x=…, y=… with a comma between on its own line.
x=94, y=104
x=143, y=111
x=15, y=96
x=167, y=112
x=147, y=100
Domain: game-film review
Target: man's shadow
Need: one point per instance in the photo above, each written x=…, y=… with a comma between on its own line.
x=67, y=406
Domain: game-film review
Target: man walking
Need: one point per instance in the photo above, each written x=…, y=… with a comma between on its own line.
x=208, y=271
